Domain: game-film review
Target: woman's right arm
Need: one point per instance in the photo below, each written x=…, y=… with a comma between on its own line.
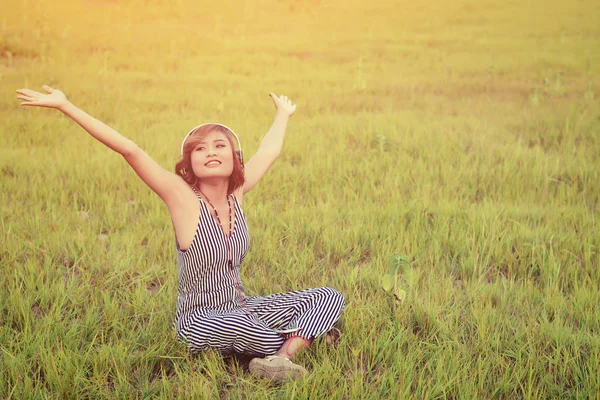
x=167, y=185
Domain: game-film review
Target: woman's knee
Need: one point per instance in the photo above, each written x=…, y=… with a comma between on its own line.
x=335, y=296
x=257, y=338
x=260, y=343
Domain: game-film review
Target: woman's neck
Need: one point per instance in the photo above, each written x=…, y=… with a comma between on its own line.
x=216, y=191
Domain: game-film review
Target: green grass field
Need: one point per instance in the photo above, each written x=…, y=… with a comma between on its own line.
x=458, y=141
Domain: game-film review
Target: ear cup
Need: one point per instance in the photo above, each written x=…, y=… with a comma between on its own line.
x=239, y=153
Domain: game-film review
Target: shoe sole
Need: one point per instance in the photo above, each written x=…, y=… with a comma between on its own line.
x=278, y=373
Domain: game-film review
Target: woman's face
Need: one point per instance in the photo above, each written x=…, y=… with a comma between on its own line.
x=212, y=157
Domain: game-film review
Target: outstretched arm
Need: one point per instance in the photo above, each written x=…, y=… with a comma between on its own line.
x=271, y=145
x=164, y=183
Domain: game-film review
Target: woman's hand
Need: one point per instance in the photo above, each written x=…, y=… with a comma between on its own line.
x=54, y=98
x=283, y=104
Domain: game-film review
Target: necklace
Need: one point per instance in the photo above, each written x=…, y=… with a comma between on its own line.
x=229, y=258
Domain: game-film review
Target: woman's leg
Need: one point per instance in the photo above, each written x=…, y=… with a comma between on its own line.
x=237, y=331
x=307, y=313
x=292, y=345
x=312, y=312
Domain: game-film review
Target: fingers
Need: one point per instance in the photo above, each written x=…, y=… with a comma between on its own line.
x=28, y=95
x=26, y=98
x=283, y=101
x=280, y=97
x=23, y=96
x=27, y=92
x=30, y=92
x=33, y=98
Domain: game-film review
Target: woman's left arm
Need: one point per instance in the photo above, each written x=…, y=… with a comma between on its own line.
x=271, y=145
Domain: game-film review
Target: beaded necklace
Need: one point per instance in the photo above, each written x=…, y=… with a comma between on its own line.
x=229, y=258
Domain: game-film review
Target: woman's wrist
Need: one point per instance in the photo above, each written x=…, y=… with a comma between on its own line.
x=66, y=107
x=279, y=114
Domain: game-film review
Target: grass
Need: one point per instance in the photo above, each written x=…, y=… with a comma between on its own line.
x=461, y=136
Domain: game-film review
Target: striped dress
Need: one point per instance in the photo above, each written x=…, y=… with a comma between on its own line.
x=213, y=310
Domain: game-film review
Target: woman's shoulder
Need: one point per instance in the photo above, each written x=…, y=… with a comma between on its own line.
x=186, y=203
x=238, y=194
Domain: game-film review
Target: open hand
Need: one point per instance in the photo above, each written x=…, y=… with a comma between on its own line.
x=54, y=98
x=283, y=104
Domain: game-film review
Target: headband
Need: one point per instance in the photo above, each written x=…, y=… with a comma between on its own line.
x=239, y=152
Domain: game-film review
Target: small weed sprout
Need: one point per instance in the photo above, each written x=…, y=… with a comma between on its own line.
x=399, y=265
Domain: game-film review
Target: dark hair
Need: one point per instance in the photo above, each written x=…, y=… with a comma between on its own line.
x=184, y=167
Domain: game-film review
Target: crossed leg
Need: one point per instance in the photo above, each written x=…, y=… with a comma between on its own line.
x=305, y=314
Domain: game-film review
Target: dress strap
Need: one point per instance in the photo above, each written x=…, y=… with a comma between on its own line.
x=238, y=208
x=197, y=193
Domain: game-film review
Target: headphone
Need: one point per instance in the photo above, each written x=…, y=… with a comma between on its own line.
x=238, y=152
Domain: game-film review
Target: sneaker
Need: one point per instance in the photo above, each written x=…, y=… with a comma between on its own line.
x=276, y=368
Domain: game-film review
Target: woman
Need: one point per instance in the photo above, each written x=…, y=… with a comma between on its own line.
x=204, y=197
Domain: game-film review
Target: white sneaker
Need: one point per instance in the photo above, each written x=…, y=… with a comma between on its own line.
x=276, y=368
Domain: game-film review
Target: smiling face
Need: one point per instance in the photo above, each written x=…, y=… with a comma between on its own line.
x=212, y=157
x=210, y=142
